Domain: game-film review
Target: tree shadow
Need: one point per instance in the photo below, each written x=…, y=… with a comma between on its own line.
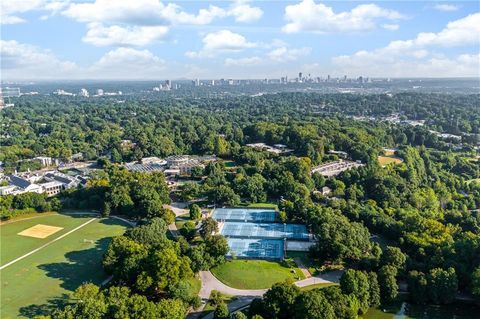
x=81, y=266
x=36, y=310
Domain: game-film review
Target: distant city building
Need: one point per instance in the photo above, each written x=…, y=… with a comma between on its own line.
x=99, y=92
x=84, y=93
x=10, y=92
x=62, y=92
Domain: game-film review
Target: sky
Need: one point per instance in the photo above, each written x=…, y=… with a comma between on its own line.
x=154, y=39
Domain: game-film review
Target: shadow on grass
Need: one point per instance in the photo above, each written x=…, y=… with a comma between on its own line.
x=36, y=310
x=81, y=266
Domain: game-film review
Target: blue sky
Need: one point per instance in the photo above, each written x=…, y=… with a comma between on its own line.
x=153, y=39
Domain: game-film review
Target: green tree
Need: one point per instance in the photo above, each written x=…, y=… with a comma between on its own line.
x=238, y=315
x=313, y=304
x=195, y=212
x=374, y=289
x=356, y=283
x=476, y=282
x=221, y=311
x=188, y=230
x=208, y=228
x=442, y=285
x=393, y=256
x=388, y=283
x=418, y=287
x=279, y=299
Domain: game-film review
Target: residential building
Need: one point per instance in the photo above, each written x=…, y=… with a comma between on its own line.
x=52, y=188
x=7, y=190
x=44, y=160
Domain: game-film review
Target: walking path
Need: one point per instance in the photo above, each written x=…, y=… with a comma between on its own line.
x=178, y=208
x=302, y=267
x=245, y=296
x=47, y=244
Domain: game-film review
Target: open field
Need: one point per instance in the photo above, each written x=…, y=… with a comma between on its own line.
x=13, y=246
x=57, y=266
x=253, y=274
x=385, y=160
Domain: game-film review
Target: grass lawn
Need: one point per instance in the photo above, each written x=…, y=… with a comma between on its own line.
x=41, y=281
x=13, y=245
x=253, y=274
x=385, y=160
x=195, y=285
x=262, y=205
x=315, y=286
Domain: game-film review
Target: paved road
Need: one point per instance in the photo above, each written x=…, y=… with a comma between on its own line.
x=245, y=296
x=178, y=208
x=302, y=267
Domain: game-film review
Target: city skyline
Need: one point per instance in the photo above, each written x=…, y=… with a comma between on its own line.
x=150, y=39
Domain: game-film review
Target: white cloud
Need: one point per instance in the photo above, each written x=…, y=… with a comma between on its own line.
x=20, y=61
x=243, y=12
x=445, y=7
x=100, y=35
x=318, y=18
x=391, y=27
x=25, y=62
x=250, y=61
x=223, y=41
x=9, y=9
x=413, y=58
x=154, y=12
x=128, y=63
x=284, y=54
x=140, y=22
x=278, y=55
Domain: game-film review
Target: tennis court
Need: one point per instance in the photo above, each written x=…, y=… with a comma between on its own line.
x=265, y=230
x=245, y=214
x=256, y=248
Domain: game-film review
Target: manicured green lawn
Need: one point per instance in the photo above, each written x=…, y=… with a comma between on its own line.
x=253, y=274
x=13, y=245
x=262, y=205
x=41, y=281
x=315, y=286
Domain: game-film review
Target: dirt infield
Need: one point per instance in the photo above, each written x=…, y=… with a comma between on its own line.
x=40, y=231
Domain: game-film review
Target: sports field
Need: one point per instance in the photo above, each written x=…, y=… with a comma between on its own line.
x=37, y=274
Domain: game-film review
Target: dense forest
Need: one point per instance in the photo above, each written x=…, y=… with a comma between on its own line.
x=416, y=223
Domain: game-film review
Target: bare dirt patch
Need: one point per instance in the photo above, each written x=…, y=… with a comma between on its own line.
x=40, y=231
